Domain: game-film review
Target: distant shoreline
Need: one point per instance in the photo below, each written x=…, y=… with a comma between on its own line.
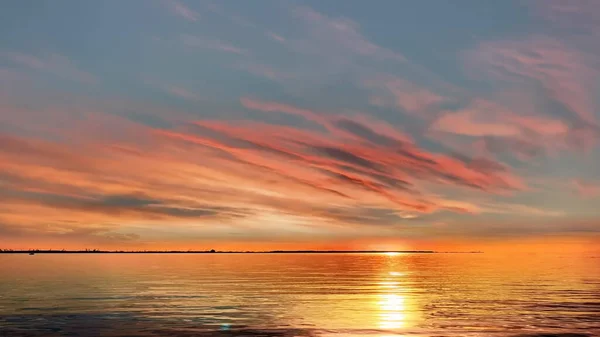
x=231, y=252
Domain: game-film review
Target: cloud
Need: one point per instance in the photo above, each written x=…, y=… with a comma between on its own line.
x=403, y=95
x=265, y=71
x=357, y=126
x=213, y=44
x=58, y=235
x=367, y=215
x=173, y=90
x=513, y=126
x=215, y=172
x=576, y=16
x=53, y=63
x=338, y=36
x=362, y=131
x=276, y=37
x=390, y=144
x=121, y=207
x=182, y=93
x=562, y=72
x=181, y=10
x=586, y=189
x=266, y=106
x=521, y=210
x=484, y=118
x=346, y=157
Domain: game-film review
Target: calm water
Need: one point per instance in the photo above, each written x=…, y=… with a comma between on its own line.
x=299, y=295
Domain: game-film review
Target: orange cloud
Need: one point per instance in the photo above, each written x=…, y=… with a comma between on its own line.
x=215, y=179
x=484, y=118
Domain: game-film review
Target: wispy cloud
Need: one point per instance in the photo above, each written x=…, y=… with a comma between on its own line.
x=178, y=8
x=576, y=17
x=337, y=38
x=276, y=37
x=586, y=189
x=406, y=96
x=265, y=71
x=182, y=93
x=546, y=70
x=559, y=70
x=484, y=118
x=232, y=173
x=173, y=90
x=202, y=42
x=53, y=63
x=491, y=128
x=522, y=210
x=381, y=142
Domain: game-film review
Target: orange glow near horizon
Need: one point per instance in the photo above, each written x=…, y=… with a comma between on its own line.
x=589, y=244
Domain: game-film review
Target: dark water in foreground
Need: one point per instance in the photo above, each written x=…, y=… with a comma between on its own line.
x=300, y=295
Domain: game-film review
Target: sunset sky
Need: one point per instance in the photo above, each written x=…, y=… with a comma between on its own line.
x=299, y=124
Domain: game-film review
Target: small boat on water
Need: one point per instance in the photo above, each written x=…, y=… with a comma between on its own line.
x=31, y=253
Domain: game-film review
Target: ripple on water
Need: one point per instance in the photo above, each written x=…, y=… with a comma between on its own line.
x=300, y=295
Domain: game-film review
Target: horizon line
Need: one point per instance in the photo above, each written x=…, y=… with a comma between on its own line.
x=97, y=251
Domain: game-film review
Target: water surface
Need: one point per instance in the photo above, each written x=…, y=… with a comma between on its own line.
x=299, y=295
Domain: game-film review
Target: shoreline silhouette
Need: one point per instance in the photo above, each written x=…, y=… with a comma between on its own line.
x=212, y=251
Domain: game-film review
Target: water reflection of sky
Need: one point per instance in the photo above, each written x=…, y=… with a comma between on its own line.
x=338, y=295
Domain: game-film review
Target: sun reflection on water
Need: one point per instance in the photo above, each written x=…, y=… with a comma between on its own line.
x=392, y=315
x=392, y=302
x=395, y=273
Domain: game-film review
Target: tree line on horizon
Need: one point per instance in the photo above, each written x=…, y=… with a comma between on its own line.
x=213, y=251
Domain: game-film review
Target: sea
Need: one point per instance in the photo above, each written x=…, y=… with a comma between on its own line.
x=337, y=294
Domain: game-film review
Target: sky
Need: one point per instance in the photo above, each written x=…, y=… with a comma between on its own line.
x=172, y=124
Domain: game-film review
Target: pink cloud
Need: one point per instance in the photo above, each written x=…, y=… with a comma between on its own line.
x=583, y=138
x=586, y=189
x=181, y=10
x=561, y=71
x=346, y=126
x=231, y=175
x=364, y=130
x=485, y=118
x=398, y=93
x=464, y=123
x=266, y=106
